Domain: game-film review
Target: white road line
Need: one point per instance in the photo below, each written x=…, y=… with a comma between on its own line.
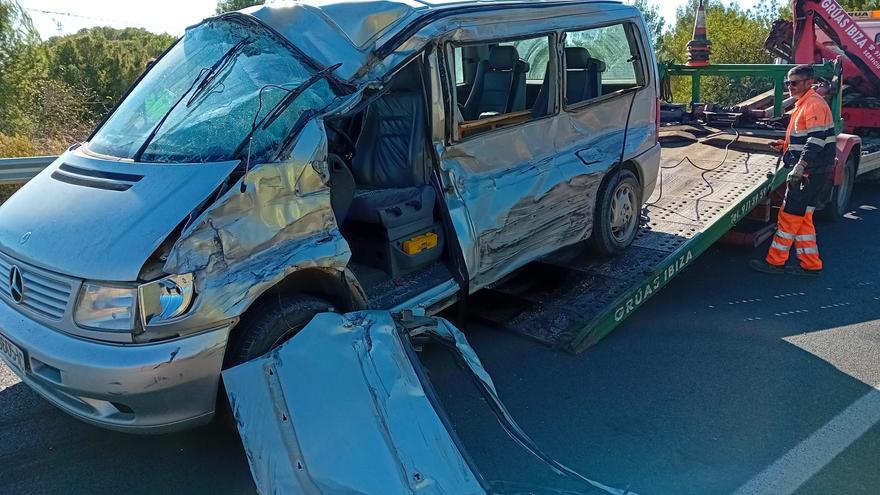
x=798, y=465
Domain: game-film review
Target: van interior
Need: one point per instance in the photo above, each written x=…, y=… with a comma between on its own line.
x=380, y=156
x=382, y=193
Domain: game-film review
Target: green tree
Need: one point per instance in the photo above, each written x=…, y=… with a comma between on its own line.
x=103, y=61
x=22, y=67
x=854, y=5
x=651, y=10
x=737, y=36
x=229, y=5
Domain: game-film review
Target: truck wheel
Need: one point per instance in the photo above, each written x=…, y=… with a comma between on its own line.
x=270, y=323
x=835, y=209
x=618, y=209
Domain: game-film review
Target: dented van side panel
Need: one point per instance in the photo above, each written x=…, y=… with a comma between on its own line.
x=536, y=190
x=248, y=242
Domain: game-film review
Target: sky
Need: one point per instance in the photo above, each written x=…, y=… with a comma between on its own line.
x=53, y=17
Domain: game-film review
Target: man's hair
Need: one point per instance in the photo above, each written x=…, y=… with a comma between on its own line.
x=805, y=71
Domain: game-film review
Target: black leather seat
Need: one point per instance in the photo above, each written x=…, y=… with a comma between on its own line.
x=499, y=85
x=391, y=154
x=583, y=75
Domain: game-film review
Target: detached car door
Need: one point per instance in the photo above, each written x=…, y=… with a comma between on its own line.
x=345, y=407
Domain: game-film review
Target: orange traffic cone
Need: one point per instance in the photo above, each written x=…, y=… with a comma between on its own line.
x=699, y=48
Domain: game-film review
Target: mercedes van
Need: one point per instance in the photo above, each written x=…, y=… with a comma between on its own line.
x=309, y=155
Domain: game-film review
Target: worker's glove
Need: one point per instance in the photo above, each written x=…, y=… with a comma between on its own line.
x=778, y=145
x=796, y=176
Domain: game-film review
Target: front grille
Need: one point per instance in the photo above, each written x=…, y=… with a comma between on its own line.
x=44, y=295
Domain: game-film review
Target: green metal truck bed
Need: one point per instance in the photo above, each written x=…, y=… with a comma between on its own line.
x=573, y=299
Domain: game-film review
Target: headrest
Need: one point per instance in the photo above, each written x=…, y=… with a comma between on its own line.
x=407, y=79
x=577, y=58
x=503, y=57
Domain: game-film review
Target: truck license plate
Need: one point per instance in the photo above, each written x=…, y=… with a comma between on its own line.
x=12, y=353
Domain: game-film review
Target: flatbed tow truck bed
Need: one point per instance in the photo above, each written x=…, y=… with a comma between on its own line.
x=711, y=180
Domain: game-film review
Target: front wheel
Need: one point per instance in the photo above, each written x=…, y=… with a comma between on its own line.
x=618, y=209
x=841, y=195
x=270, y=323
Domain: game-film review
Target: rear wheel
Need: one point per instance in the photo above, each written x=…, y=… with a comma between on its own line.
x=841, y=195
x=618, y=209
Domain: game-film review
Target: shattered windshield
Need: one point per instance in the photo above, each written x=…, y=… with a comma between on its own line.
x=203, y=99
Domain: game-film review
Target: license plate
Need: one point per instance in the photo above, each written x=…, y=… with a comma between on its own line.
x=12, y=353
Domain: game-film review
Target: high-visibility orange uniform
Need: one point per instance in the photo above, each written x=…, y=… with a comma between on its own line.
x=810, y=138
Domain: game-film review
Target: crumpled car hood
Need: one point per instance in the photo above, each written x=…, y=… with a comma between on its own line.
x=100, y=219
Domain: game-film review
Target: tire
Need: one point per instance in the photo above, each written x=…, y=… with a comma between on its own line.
x=841, y=195
x=266, y=325
x=270, y=323
x=617, y=213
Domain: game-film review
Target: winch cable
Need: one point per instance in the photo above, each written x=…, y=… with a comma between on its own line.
x=703, y=173
x=615, y=172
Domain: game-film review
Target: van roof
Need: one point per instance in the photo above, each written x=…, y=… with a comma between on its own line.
x=325, y=27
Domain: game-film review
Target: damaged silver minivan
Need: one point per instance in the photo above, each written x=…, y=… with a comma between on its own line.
x=289, y=159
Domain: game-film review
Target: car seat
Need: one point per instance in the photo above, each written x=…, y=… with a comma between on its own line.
x=499, y=85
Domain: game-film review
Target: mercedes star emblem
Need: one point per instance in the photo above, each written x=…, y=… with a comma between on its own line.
x=16, y=285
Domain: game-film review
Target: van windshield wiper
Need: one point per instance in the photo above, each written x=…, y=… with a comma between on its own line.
x=284, y=103
x=203, y=79
x=218, y=68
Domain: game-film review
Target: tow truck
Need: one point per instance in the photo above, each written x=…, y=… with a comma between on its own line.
x=719, y=181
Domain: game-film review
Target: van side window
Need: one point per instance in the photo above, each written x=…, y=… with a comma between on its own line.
x=536, y=52
x=600, y=62
x=502, y=86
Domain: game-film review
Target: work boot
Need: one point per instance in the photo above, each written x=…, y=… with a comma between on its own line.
x=764, y=267
x=802, y=272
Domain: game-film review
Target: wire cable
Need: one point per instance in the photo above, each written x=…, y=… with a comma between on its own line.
x=704, y=172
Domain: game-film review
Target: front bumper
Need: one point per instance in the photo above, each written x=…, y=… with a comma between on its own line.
x=149, y=388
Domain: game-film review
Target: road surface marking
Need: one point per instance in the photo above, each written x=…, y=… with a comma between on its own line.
x=793, y=294
x=838, y=305
x=796, y=312
x=798, y=465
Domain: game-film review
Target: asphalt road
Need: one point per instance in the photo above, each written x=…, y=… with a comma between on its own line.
x=726, y=382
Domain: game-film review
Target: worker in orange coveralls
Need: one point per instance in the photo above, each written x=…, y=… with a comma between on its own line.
x=809, y=151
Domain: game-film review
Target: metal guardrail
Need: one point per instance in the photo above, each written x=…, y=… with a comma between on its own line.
x=21, y=170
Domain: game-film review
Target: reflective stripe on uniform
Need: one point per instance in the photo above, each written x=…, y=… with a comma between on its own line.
x=816, y=128
x=816, y=141
x=807, y=250
x=779, y=246
x=785, y=235
x=804, y=238
x=811, y=209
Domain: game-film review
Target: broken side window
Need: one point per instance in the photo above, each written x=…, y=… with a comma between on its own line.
x=600, y=62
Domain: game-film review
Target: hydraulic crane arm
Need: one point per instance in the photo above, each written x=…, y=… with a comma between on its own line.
x=798, y=42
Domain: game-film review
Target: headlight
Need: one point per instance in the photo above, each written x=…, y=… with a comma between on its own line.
x=166, y=299
x=106, y=308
